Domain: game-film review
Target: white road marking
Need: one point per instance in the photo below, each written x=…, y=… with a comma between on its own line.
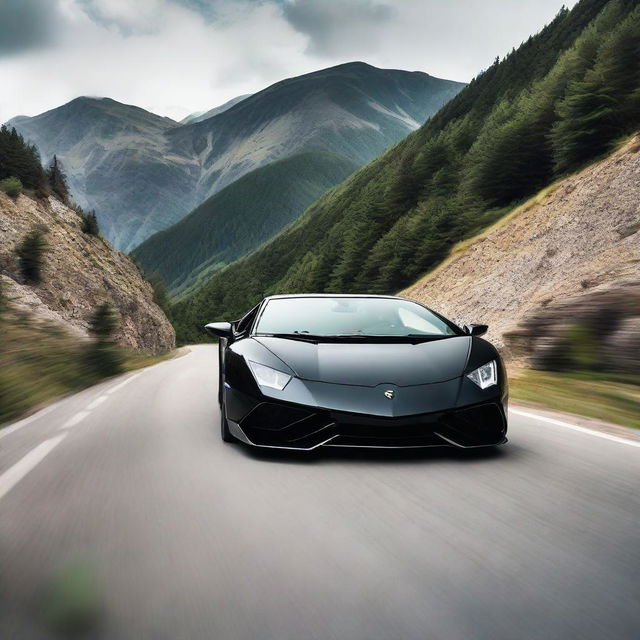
x=122, y=384
x=98, y=401
x=19, y=470
x=75, y=419
x=575, y=427
x=23, y=423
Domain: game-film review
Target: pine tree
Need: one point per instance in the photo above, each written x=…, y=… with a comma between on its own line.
x=30, y=254
x=89, y=223
x=20, y=160
x=58, y=180
x=605, y=103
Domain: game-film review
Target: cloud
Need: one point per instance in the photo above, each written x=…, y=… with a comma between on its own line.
x=26, y=24
x=178, y=56
x=161, y=55
x=141, y=16
x=337, y=28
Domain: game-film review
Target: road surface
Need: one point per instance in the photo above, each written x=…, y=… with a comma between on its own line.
x=177, y=536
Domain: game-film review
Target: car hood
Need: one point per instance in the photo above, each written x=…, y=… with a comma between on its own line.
x=373, y=363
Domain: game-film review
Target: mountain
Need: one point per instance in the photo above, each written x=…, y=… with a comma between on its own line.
x=354, y=109
x=557, y=102
x=143, y=173
x=199, y=116
x=117, y=160
x=241, y=217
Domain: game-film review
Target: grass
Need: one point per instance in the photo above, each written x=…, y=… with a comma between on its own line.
x=613, y=399
x=39, y=363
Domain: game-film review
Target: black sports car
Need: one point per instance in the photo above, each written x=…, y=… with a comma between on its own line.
x=303, y=371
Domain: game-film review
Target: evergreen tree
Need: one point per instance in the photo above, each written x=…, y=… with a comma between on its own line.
x=58, y=180
x=89, y=222
x=605, y=103
x=30, y=254
x=20, y=160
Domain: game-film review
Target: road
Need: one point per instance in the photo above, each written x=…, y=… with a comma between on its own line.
x=177, y=536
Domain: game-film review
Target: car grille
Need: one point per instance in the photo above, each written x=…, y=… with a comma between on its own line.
x=281, y=425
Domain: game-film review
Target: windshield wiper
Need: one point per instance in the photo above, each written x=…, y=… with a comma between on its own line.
x=382, y=336
x=302, y=337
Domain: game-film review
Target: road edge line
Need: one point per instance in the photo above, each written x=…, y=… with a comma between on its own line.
x=575, y=427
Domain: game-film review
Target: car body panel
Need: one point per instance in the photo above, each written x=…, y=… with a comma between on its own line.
x=370, y=363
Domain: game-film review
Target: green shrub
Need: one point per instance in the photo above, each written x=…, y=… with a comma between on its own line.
x=11, y=186
x=104, y=359
x=30, y=254
x=103, y=356
x=103, y=323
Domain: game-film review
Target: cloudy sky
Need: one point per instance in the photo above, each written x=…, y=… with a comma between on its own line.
x=178, y=56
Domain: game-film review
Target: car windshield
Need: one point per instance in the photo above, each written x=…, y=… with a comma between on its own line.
x=344, y=316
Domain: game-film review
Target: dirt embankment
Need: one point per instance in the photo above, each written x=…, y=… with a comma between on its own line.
x=80, y=272
x=569, y=256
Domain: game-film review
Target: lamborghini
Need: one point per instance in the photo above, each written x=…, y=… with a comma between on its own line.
x=311, y=370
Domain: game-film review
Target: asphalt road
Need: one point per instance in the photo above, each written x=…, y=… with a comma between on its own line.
x=123, y=501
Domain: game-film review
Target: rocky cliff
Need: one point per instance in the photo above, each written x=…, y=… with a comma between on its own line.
x=80, y=272
x=568, y=258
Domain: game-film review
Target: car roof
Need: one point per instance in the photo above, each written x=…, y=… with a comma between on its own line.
x=331, y=295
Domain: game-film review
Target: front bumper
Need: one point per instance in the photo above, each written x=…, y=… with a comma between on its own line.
x=289, y=426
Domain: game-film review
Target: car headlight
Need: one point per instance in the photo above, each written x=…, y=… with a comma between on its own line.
x=486, y=375
x=268, y=377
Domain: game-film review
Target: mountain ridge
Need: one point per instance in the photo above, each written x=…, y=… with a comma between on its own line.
x=236, y=220
x=143, y=172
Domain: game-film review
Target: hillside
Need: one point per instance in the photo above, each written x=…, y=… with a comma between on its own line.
x=242, y=216
x=557, y=102
x=143, y=173
x=80, y=272
x=569, y=257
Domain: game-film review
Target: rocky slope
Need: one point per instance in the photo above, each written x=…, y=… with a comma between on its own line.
x=143, y=173
x=568, y=257
x=80, y=272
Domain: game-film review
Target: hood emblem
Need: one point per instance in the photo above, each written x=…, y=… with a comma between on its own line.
x=389, y=393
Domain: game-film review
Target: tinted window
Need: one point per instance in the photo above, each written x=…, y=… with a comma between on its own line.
x=351, y=316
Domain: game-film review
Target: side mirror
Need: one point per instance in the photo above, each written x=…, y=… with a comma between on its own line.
x=218, y=329
x=475, y=329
